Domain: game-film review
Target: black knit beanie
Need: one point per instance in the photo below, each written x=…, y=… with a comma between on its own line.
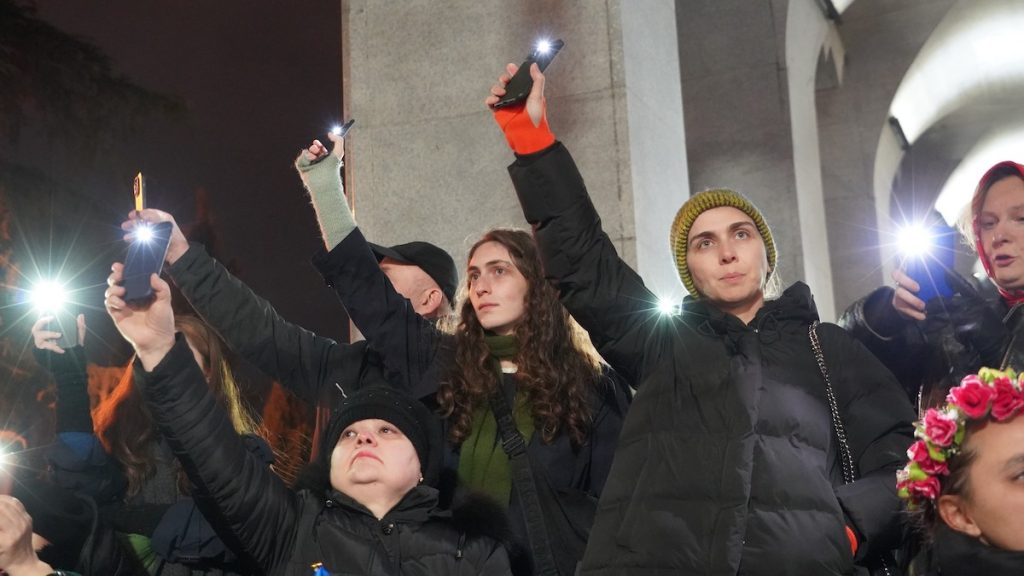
x=415, y=420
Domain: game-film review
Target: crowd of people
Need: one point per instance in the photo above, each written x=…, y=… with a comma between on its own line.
x=539, y=416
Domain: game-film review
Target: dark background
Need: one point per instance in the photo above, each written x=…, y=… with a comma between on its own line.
x=257, y=80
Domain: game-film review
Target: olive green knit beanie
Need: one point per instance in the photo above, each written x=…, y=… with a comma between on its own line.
x=702, y=202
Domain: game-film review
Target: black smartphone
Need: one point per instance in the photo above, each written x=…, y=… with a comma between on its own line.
x=518, y=88
x=145, y=257
x=344, y=128
x=64, y=321
x=929, y=269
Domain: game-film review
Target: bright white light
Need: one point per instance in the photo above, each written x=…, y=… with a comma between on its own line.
x=667, y=306
x=48, y=296
x=144, y=233
x=976, y=51
x=543, y=46
x=914, y=241
x=336, y=130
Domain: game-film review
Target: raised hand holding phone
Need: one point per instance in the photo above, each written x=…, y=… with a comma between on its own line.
x=525, y=126
x=147, y=325
x=518, y=87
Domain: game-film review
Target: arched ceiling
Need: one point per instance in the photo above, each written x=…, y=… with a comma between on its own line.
x=959, y=102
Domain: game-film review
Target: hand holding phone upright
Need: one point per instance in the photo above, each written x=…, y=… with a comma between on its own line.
x=147, y=325
x=146, y=255
x=520, y=84
x=525, y=126
x=59, y=331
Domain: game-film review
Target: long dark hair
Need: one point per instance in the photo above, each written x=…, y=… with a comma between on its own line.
x=125, y=427
x=557, y=365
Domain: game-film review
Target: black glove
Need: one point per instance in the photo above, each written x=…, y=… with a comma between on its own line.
x=975, y=323
x=72, y=379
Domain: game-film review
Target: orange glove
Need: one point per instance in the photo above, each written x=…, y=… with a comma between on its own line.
x=853, y=540
x=523, y=137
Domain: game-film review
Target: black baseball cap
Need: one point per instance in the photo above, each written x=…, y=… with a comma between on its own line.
x=437, y=263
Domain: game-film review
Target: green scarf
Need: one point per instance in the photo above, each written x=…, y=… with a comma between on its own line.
x=483, y=464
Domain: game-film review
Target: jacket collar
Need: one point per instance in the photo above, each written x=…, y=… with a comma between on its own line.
x=417, y=505
x=796, y=304
x=957, y=553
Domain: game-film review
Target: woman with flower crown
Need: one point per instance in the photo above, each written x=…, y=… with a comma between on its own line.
x=965, y=478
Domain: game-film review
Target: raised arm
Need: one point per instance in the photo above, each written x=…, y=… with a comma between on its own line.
x=247, y=504
x=77, y=461
x=387, y=319
x=602, y=293
x=297, y=358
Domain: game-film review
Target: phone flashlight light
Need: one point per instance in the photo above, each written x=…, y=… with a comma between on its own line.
x=914, y=241
x=144, y=232
x=48, y=296
x=543, y=46
x=336, y=130
x=667, y=307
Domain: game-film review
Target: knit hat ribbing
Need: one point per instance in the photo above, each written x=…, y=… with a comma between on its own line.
x=700, y=203
x=415, y=420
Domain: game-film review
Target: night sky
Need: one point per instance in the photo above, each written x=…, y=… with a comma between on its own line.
x=259, y=80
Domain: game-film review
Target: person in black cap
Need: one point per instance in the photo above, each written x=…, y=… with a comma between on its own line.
x=317, y=369
x=375, y=512
x=421, y=270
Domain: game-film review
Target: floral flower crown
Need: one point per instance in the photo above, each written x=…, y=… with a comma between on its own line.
x=988, y=394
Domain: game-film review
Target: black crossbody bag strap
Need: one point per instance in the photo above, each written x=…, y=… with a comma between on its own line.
x=845, y=456
x=514, y=445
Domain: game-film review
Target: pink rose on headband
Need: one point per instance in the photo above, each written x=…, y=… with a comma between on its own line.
x=1008, y=401
x=972, y=397
x=918, y=452
x=927, y=488
x=939, y=428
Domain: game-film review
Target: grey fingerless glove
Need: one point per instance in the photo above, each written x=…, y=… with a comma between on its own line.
x=322, y=178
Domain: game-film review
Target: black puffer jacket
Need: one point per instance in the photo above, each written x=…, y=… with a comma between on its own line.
x=957, y=554
x=927, y=357
x=727, y=462
x=285, y=531
x=179, y=537
x=317, y=369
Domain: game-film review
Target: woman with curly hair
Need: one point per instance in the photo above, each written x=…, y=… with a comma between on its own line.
x=512, y=335
x=116, y=455
x=962, y=483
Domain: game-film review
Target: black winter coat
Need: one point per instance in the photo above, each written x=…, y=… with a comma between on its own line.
x=927, y=357
x=317, y=369
x=727, y=463
x=957, y=554
x=285, y=531
x=180, y=536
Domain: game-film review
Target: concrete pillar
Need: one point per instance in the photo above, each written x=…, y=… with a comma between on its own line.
x=425, y=159
x=806, y=33
x=733, y=56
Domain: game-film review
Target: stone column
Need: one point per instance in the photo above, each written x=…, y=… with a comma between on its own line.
x=425, y=159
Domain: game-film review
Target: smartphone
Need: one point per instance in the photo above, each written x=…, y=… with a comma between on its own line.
x=929, y=270
x=139, y=192
x=518, y=88
x=344, y=128
x=65, y=322
x=145, y=257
